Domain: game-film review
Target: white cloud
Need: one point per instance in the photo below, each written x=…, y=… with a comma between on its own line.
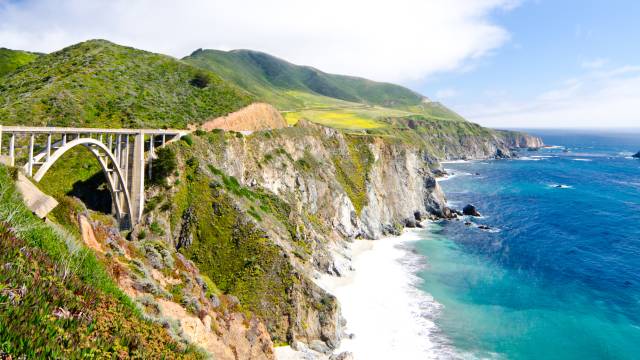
x=401, y=40
x=600, y=98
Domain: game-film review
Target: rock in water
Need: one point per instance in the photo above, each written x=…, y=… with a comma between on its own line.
x=637, y=155
x=470, y=210
x=410, y=223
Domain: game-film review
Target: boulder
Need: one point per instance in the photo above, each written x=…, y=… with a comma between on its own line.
x=470, y=210
x=439, y=173
x=637, y=155
x=319, y=346
x=342, y=356
x=410, y=223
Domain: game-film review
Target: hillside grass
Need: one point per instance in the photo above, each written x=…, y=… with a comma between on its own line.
x=101, y=84
x=10, y=60
x=57, y=300
x=273, y=80
x=339, y=119
x=342, y=102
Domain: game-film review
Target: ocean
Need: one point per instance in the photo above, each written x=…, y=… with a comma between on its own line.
x=557, y=275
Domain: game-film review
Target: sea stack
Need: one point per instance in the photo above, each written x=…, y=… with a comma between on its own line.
x=470, y=210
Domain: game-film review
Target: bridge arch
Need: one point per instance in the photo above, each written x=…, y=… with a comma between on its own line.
x=116, y=180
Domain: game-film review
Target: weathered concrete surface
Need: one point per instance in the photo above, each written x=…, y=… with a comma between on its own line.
x=38, y=202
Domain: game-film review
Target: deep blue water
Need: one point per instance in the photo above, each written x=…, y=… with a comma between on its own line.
x=559, y=276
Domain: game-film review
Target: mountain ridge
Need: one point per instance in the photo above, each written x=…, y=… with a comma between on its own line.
x=285, y=75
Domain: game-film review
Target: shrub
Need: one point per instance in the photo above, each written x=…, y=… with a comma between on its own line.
x=200, y=80
x=156, y=228
x=164, y=165
x=187, y=139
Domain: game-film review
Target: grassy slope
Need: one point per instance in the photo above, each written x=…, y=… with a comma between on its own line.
x=98, y=83
x=261, y=74
x=338, y=101
x=10, y=60
x=57, y=300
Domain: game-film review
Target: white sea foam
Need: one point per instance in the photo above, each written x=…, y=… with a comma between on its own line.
x=528, y=158
x=560, y=186
x=389, y=316
x=451, y=174
x=455, y=162
x=581, y=159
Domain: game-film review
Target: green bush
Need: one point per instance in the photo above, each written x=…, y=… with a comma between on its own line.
x=164, y=165
x=187, y=139
x=200, y=80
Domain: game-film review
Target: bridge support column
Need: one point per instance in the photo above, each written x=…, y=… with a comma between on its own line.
x=48, y=147
x=30, y=163
x=12, y=150
x=136, y=177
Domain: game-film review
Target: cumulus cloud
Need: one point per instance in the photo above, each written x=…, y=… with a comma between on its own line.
x=601, y=98
x=399, y=40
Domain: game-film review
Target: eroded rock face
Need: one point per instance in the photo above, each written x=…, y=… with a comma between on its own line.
x=338, y=187
x=514, y=139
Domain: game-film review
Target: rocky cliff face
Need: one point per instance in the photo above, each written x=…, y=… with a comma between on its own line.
x=516, y=139
x=287, y=201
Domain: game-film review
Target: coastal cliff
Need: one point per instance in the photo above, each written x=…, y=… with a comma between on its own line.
x=300, y=194
x=517, y=139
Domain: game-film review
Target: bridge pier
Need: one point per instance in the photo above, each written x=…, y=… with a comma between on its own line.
x=136, y=177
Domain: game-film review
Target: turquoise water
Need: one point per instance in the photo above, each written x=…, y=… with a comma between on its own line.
x=558, y=276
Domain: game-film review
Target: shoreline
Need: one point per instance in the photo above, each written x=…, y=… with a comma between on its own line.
x=387, y=315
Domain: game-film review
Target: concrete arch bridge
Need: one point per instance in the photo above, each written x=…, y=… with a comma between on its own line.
x=122, y=154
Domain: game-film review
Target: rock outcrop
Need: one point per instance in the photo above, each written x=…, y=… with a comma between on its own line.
x=470, y=210
x=637, y=155
x=516, y=139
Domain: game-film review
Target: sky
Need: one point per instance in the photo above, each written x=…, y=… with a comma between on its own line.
x=501, y=63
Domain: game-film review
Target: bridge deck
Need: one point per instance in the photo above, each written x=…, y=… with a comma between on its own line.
x=75, y=130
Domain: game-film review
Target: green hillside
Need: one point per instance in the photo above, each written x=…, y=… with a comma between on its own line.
x=10, y=60
x=98, y=83
x=278, y=81
x=339, y=101
x=58, y=300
